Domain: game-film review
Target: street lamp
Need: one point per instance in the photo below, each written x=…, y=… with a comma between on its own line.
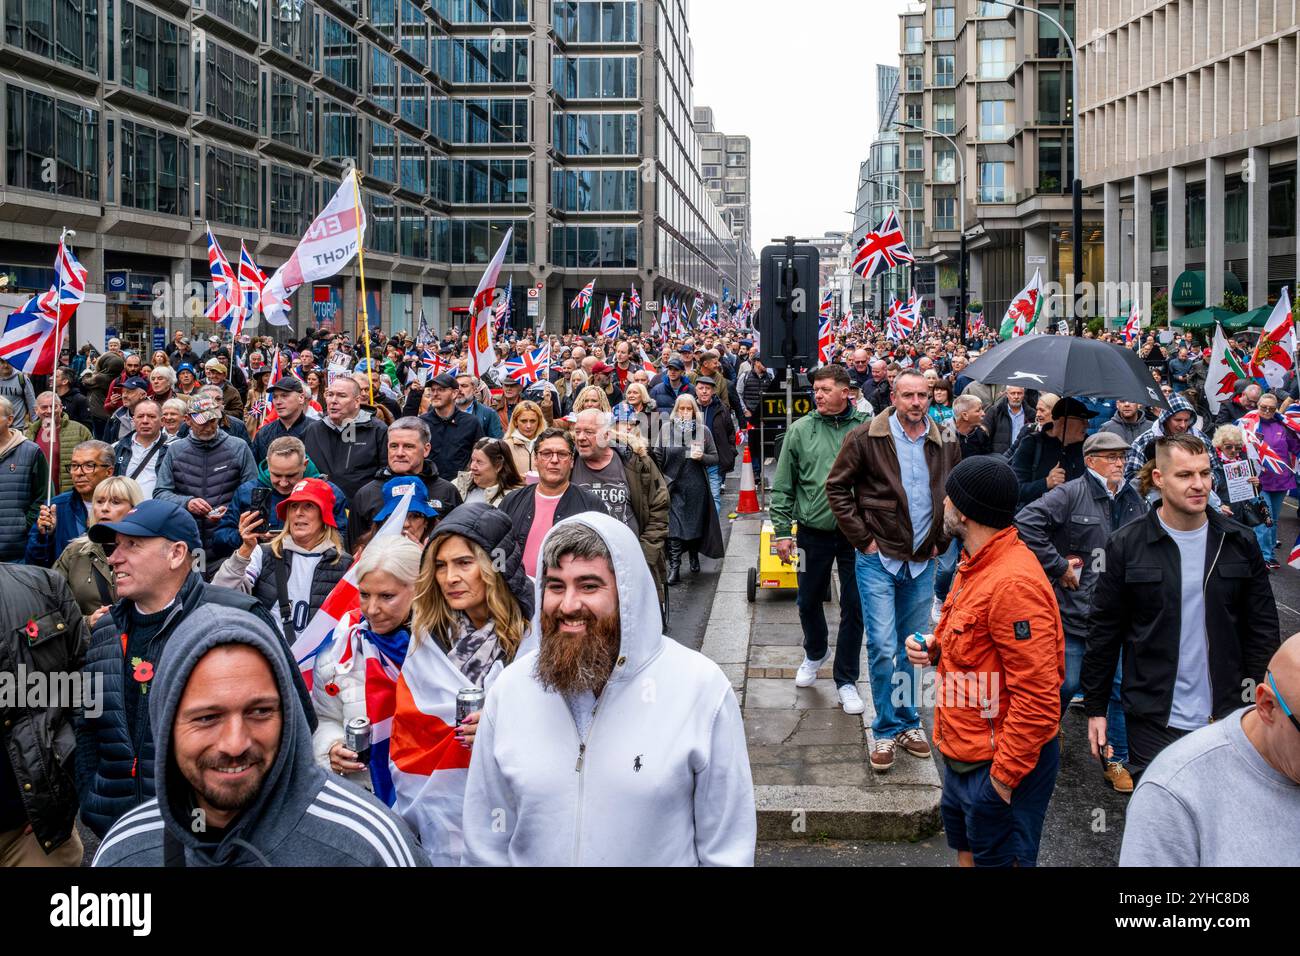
x=1077, y=189
x=961, y=162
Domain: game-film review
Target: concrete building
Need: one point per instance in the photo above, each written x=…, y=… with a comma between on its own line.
x=997, y=82
x=1191, y=125
x=725, y=166
x=137, y=122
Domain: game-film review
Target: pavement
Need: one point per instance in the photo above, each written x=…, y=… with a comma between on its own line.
x=808, y=758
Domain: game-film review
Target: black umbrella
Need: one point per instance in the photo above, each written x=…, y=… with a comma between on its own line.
x=1069, y=366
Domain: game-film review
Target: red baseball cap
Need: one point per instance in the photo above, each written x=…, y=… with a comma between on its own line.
x=318, y=493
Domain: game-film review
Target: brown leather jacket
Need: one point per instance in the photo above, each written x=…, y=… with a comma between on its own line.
x=865, y=490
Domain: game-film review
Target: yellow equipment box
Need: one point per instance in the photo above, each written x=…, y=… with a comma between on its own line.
x=772, y=574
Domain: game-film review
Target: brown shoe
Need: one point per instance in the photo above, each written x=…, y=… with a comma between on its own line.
x=914, y=742
x=882, y=755
x=1119, y=777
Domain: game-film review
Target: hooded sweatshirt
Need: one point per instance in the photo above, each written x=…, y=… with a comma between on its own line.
x=1144, y=448
x=300, y=817
x=663, y=776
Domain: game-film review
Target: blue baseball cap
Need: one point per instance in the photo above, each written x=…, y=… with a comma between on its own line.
x=186, y=367
x=151, y=518
x=136, y=382
x=394, y=491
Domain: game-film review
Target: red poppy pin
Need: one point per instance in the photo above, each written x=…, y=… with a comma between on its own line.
x=332, y=689
x=143, y=670
x=32, y=630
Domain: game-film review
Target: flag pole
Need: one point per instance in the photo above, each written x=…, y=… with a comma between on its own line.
x=54, y=372
x=361, y=264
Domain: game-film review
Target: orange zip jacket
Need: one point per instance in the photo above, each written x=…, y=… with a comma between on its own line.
x=1001, y=661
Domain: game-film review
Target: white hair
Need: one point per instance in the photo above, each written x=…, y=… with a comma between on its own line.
x=962, y=403
x=167, y=372
x=603, y=419
x=400, y=558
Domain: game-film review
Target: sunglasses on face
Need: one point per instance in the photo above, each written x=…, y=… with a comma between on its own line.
x=1272, y=684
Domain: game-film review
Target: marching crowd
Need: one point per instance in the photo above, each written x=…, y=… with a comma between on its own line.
x=173, y=526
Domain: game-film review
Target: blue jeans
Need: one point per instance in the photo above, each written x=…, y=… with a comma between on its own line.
x=715, y=486
x=1116, y=734
x=1274, y=499
x=947, y=570
x=894, y=607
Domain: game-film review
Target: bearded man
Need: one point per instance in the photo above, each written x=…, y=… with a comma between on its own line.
x=666, y=782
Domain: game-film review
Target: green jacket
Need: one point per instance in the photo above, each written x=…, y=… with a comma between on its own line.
x=799, y=487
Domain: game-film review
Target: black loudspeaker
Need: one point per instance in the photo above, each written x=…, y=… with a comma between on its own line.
x=791, y=288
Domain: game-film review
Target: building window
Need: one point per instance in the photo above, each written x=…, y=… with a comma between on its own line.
x=996, y=59
x=66, y=31
x=915, y=155
x=595, y=247
x=51, y=145
x=913, y=39
x=599, y=134
x=292, y=30
x=489, y=59
x=1234, y=211
x=292, y=113
x=340, y=49
x=596, y=21
x=154, y=54
x=414, y=99
x=414, y=31
x=230, y=193
x=945, y=164
x=413, y=238
x=944, y=70
x=483, y=11
x=289, y=201
x=1160, y=224
x=1050, y=43
x=596, y=77
x=596, y=190
x=1281, y=203
x=155, y=169
x=381, y=84
x=240, y=14
x=339, y=132
x=481, y=122
x=414, y=166
x=915, y=78
x=231, y=91
x=1195, y=216
x=476, y=182
x=945, y=117
x=382, y=155
x=382, y=232
x=1051, y=166
x=993, y=121
x=993, y=183
x=475, y=241
x=945, y=213
x=914, y=114
x=945, y=20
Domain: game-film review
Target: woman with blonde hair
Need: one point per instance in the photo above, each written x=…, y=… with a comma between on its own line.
x=636, y=408
x=307, y=554
x=592, y=396
x=473, y=608
x=527, y=421
x=684, y=451
x=83, y=562
x=1253, y=513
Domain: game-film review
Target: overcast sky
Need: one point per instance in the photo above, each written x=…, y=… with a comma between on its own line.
x=800, y=80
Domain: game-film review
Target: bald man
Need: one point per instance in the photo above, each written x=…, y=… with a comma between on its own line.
x=1229, y=793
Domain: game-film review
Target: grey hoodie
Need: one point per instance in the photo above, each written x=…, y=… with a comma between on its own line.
x=303, y=815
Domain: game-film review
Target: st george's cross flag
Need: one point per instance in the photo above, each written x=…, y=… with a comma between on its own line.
x=1274, y=357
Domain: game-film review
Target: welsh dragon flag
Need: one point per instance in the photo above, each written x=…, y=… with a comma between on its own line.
x=1022, y=315
x=1225, y=372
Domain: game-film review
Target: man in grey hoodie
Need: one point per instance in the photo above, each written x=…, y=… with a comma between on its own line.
x=235, y=780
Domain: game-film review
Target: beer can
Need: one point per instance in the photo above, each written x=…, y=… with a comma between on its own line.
x=356, y=737
x=468, y=701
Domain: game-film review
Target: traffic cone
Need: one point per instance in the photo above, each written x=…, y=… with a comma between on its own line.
x=748, y=495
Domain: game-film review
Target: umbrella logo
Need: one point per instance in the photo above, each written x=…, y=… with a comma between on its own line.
x=1040, y=379
x=1152, y=393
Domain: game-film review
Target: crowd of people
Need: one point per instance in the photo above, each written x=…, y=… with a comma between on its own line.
x=171, y=525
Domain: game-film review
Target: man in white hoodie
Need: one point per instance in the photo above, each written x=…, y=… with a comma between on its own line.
x=605, y=743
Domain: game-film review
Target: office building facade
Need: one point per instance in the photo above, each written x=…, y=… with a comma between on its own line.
x=725, y=166
x=137, y=122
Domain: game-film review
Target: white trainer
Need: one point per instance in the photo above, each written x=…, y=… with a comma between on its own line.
x=806, y=676
x=851, y=700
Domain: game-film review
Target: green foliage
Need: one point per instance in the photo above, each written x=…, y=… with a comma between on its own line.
x=1160, y=310
x=1235, y=303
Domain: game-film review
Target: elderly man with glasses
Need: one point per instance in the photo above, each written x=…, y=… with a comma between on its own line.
x=1067, y=529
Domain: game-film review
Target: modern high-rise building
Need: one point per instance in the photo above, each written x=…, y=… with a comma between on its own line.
x=1191, y=132
x=725, y=166
x=994, y=85
x=137, y=122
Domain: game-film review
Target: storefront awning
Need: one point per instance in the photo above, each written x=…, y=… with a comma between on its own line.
x=1204, y=319
x=1255, y=319
x=1188, y=291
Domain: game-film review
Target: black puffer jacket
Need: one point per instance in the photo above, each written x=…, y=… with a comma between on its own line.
x=37, y=768
x=115, y=769
x=328, y=572
x=347, y=456
x=211, y=470
x=493, y=531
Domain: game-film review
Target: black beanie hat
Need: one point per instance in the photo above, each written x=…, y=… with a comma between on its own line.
x=985, y=490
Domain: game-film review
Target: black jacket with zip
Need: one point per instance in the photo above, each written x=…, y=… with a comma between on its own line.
x=115, y=759
x=1137, y=607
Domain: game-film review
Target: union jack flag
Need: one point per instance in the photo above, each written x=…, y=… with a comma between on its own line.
x=1294, y=560
x=504, y=309
x=530, y=366
x=825, y=341
x=29, y=338
x=251, y=282
x=828, y=305
x=1260, y=450
x=433, y=362
x=634, y=302
x=584, y=297
x=1133, y=327
x=882, y=249
x=226, y=307
x=611, y=321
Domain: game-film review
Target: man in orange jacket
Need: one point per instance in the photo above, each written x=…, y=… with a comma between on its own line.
x=1000, y=651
